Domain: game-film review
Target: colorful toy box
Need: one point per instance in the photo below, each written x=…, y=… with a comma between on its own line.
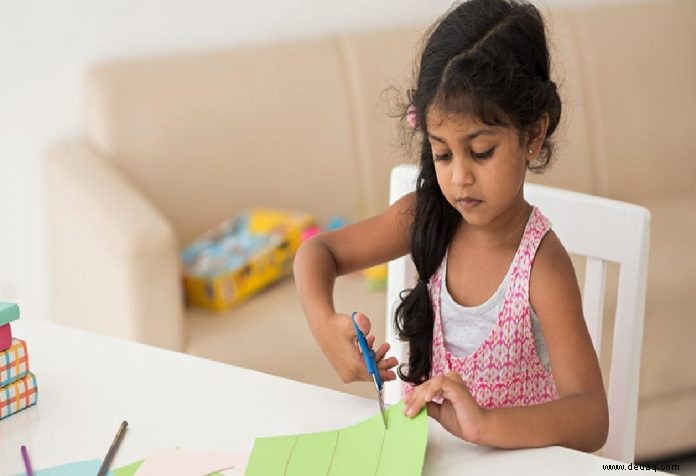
x=242, y=256
x=18, y=395
x=14, y=363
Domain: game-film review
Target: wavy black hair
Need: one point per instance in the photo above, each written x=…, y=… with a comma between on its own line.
x=489, y=59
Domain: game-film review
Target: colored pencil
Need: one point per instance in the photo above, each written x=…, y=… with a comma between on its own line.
x=112, y=449
x=27, y=463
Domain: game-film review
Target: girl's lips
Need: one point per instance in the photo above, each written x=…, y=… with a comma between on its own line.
x=468, y=203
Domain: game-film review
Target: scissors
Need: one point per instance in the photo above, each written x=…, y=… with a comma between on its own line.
x=369, y=358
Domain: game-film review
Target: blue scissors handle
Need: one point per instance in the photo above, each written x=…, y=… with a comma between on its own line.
x=368, y=354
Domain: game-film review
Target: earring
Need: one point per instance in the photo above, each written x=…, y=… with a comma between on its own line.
x=531, y=151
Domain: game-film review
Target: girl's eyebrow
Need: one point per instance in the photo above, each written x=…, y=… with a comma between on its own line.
x=470, y=136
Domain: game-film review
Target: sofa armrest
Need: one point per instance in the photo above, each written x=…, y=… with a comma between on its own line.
x=113, y=257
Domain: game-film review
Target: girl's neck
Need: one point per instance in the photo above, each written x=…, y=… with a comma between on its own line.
x=506, y=230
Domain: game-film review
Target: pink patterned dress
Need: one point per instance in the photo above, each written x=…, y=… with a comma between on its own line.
x=505, y=371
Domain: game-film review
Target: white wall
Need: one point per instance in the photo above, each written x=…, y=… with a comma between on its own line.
x=46, y=45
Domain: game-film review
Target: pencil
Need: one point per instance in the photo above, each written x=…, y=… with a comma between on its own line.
x=112, y=449
x=27, y=463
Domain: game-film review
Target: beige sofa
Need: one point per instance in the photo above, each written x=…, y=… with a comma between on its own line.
x=176, y=144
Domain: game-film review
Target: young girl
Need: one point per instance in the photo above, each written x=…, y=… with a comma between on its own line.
x=498, y=347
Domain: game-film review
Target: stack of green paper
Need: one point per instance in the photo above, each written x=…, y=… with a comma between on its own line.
x=365, y=448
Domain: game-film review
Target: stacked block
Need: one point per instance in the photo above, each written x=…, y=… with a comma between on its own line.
x=18, y=388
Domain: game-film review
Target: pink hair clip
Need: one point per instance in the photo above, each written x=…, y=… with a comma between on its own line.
x=411, y=116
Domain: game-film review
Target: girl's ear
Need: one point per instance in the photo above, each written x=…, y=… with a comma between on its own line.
x=536, y=135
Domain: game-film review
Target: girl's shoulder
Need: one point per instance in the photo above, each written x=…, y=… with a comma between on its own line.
x=553, y=283
x=551, y=261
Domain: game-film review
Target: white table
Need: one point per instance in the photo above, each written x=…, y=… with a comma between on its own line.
x=88, y=383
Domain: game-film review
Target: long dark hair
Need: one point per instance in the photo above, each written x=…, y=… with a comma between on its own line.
x=489, y=59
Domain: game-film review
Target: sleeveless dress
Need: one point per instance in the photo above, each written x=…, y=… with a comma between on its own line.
x=505, y=371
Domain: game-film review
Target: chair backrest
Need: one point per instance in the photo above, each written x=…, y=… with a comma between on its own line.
x=601, y=230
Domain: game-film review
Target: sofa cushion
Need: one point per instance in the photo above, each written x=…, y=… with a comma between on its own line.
x=379, y=66
x=572, y=167
x=639, y=68
x=206, y=135
x=669, y=326
x=670, y=323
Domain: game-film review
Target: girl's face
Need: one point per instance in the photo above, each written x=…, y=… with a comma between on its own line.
x=480, y=168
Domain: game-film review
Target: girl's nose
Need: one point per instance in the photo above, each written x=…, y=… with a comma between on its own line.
x=462, y=173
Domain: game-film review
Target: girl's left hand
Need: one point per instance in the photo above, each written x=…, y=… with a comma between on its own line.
x=459, y=413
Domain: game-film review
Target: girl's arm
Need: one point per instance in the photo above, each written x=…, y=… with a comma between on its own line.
x=579, y=418
x=324, y=257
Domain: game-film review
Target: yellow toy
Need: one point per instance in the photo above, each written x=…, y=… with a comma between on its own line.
x=242, y=256
x=376, y=277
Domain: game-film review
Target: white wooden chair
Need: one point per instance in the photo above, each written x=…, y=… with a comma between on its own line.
x=601, y=230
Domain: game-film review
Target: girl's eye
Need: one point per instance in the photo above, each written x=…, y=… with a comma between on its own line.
x=475, y=155
x=483, y=155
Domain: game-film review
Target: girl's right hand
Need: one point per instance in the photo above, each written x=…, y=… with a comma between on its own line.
x=341, y=347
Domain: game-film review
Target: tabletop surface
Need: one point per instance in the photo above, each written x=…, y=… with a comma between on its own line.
x=89, y=383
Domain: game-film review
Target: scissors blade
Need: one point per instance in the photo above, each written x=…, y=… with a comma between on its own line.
x=381, y=402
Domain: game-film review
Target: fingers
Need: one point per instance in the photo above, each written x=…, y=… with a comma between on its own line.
x=363, y=323
x=421, y=395
x=433, y=410
x=436, y=388
x=454, y=377
x=385, y=369
x=455, y=390
x=432, y=393
x=370, y=341
x=387, y=375
x=386, y=364
x=381, y=351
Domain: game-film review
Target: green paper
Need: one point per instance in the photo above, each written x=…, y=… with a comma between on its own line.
x=128, y=470
x=364, y=439
x=273, y=455
x=413, y=443
x=315, y=451
x=364, y=448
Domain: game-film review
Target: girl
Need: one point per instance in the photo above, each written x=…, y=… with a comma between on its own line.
x=498, y=347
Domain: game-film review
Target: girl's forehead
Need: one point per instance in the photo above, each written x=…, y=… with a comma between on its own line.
x=436, y=118
x=456, y=123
